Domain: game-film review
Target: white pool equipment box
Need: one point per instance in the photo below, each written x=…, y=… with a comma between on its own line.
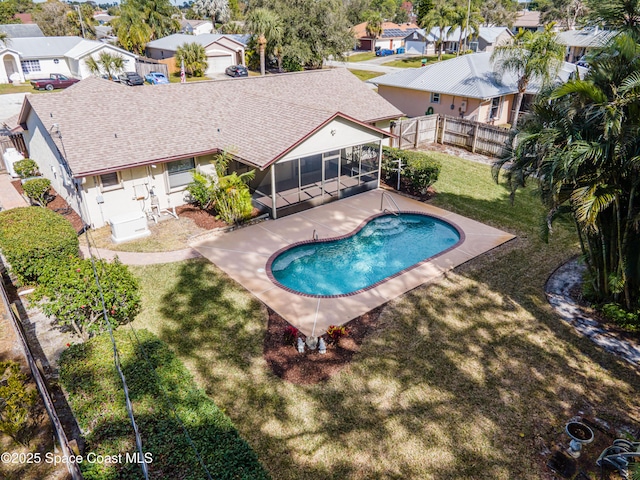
x=128, y=226
x=11, y=156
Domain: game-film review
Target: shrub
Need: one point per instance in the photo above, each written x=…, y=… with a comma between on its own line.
x=200, y=190
x=88, y=375
x=69, y=293
x=290, y=334
x=26, y=168
x=37, y=190
x=32, y=239
x=335, y=332
x=627, y=320
x=18, y=414
x=419, y=168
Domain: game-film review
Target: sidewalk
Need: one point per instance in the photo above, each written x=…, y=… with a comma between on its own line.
x=9, y=197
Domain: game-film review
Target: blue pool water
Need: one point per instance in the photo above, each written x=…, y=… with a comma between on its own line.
x=386, y=245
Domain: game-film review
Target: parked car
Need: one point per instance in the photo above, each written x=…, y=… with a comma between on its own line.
x=383, y=52
x=156, y=78
x=55, y=80
x=237, y=71
x=130, y=78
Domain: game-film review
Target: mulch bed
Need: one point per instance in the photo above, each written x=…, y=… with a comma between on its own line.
x=58, y=205
x=312, y=367
x=408, y=189
x=202, y=218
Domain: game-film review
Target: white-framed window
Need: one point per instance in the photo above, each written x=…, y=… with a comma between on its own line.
x=496, y=106
x=179, y=172
x=110, y=181
x=435, y=97
x=29, y=66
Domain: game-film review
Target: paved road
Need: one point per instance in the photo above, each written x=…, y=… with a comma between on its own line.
x=10, y=105
x=362, y=66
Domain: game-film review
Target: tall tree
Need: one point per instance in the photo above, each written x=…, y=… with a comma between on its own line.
x=194, y=57
x=621, y=15
x=374, y=26
x=267, y=28
x=469, y=20
x=422, y=8
x=53, y=18
x=441, y=16
x=497, y=13
x=106, y=64
x=532, y=56
x=566, y=13
x=217, y=10
x=141, y=21
x=581, y=144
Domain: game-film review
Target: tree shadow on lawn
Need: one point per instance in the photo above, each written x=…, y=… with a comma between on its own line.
x=465, y=378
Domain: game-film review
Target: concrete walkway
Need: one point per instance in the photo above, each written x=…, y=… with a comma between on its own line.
x=142, y=258
x=9, y=196
x=558, y=290
x=10, y=105
x=373, y=67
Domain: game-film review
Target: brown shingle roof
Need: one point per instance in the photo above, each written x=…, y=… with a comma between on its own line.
x=107, y=127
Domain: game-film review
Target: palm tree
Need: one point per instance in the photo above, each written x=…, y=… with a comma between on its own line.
x=469, y=22
x=107, y=63
x=441, y=16
x=619, y=15
x=532, y=56
x=267, y=28
x=374, y=26
x=141, y=21
x=581, y=143
x=194, y=57
x=217, y=10
x=4, y=38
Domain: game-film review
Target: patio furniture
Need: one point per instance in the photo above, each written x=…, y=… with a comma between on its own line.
x=619, y=455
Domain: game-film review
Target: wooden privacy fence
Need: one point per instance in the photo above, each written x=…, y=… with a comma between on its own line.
x=148, y=65
x=475, y=136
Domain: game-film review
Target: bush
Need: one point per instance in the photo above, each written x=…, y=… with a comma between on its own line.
x=33, y=239
x=26, y=168
x=628, y=320
x=69, y=293
x=37, y=190
x=18, y=414
x=335, y=332
x=419, y=168
x=200, y=190
x=95, y=394
x=290, y=335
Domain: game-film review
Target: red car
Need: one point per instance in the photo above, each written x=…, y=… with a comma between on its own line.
x=55, y=80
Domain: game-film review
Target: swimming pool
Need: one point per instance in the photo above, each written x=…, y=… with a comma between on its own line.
x=381, y=248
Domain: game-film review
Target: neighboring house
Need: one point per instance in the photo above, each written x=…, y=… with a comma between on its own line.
x=24, y=17
x=221, y=50
x=579, y=42
x=467, y=86
x=527, y=20
x=392, y=37
x=102, y=18
x=37, y=57
x=18, y=30
x=104, y=33
x=486, y=40
x=419, y=42
x=312, y=137
x=196, y=27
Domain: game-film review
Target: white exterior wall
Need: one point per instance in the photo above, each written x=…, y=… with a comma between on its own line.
x=339, y=133
x=48, y=66
x=80, y=69
x=8, y=61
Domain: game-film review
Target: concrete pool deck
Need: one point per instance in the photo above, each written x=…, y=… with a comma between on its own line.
x=243, y=255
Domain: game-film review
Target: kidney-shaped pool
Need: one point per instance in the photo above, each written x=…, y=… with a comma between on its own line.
x=381, y=248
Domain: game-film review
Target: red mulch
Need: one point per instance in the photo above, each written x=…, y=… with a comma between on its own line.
x=407, y=188
x=58, y=205
x=312, y=367
x=205, y=218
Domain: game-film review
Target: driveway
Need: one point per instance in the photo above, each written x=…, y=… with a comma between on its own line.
x=10, y=105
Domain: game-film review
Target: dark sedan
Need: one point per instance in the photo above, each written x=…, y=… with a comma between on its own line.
x=237, y=71
x=131, y=78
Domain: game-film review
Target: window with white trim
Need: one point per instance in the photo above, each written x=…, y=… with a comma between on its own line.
x=435, y=97
x=29, y=66
x=179, y=172
x=110, y=181
x=494, y=112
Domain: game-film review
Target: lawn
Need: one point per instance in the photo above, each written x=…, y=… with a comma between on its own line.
x=414, y=62
x=365, y=75
x=471, y=377
x=361, y=57
x=11, y=88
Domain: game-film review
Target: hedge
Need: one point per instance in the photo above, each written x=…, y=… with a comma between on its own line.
x=419, y=168
x=34, y=238
x=95, y=393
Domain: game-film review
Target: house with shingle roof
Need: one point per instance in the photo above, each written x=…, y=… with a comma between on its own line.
x=38, y=57
x=19, y=30
x=392, y=36
x=467, y=86
x=311, y=137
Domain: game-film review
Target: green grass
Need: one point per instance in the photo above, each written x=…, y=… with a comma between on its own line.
x=365, y=74
x=95, y=392
x=361, y=57
x=470, y=377
x=415, y=62
x=6, y=88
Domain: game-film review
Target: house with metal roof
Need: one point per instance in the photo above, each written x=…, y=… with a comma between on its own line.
x=467, y=86
x=580, y=42
x=195, y=27
x=22, y=59
x=19, y=30
x=486, y=39
x=311, y=137
x=222, y=50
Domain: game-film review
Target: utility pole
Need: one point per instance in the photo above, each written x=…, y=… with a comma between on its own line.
x=81, y=22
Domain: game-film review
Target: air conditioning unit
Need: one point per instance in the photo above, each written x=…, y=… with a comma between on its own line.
x=128, y=226
x=10, y=157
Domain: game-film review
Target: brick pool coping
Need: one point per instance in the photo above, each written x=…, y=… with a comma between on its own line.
x=244, y=255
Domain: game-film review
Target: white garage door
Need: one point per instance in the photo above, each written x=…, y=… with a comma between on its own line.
x=218, y=64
